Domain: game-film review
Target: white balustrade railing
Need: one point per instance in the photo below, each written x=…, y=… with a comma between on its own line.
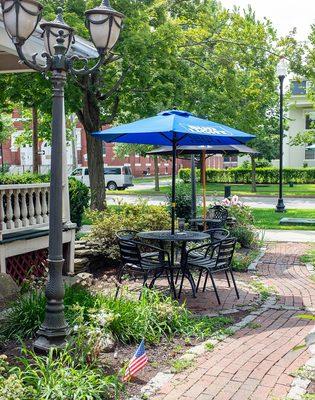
x=23, y=207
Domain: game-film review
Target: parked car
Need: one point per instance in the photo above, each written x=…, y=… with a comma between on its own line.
x=116, y=177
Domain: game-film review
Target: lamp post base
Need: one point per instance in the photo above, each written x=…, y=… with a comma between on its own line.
x=48, y=339
x=280, y=206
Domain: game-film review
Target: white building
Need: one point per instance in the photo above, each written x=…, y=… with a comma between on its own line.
x=301, y=116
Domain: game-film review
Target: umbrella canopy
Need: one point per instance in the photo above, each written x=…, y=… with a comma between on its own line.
x=174, y=127
x=202, y=151
x=219, y=149
x=311, y=147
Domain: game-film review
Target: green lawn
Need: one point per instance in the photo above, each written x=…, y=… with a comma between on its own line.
x=217, y=189
x=266, y=218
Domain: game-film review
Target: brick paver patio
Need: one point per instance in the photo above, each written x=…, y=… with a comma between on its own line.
x=257, y=361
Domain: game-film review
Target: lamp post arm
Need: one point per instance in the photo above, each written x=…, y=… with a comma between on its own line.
x=33, y=64
x=85, y=70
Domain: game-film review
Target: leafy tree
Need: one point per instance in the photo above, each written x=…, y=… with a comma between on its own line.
x=6, y=130
x=191, y=54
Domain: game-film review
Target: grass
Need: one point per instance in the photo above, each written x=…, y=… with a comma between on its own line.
x=267, y=218
x=264, y=291
x=180, y=365
x=217, y=189
x=309, y=257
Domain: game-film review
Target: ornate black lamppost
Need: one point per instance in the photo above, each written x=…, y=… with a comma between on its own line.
x=21, y=18
x=281, y=72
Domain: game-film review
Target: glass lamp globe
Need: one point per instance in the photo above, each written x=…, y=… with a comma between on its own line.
x=104, y=24
x=51, y=31
x=282, y=68
x=20, y=18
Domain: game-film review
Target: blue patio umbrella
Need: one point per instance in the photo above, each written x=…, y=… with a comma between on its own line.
x=175, y=128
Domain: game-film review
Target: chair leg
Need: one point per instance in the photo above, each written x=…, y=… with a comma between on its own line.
x=199, y=279
x=177, y=276
x=234, y=283
x=145, y=278
x=119, y=280
x=181, y=286
x=215, y=288
x=205, y=283
x=227, y=278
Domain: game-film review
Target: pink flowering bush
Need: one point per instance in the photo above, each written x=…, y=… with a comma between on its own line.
x=244, y=229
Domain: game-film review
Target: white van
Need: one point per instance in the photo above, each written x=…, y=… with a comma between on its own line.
x=116, y=177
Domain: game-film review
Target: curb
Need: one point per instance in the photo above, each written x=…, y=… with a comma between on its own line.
x=253, y=265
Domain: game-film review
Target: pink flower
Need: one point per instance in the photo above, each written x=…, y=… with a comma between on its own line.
x=234, y=200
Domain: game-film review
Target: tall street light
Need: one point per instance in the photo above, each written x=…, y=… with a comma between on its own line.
x=282, y=73
x=21, y=18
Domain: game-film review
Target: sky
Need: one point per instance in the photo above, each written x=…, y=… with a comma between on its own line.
x=285, y=14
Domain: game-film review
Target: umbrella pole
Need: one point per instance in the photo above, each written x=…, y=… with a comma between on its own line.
x=204, y=205
x=193, y=188
x=173, y=196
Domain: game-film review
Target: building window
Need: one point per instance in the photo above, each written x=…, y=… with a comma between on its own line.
x=298, y=88
x=310, y=120
x=309, y=154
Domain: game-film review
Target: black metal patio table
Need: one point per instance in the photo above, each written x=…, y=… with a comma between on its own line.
x=211, y=222
x=179, y=237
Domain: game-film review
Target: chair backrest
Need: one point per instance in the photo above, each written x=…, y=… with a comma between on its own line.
x=218, y=212
x=129, y=252
x=217, y=234
x=225, y=253
x=126, y=234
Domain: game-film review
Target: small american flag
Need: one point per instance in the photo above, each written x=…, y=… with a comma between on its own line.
x=138, y=361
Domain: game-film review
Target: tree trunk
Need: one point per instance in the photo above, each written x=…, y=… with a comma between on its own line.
x=253, y=161
x=156, y=174
x=89, y=116
x=35, y=140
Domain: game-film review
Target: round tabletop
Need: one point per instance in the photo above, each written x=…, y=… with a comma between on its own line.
x=185, y=236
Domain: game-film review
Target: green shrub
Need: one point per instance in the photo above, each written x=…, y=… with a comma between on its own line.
x=27, y=313
x=126, y=318
x=182, y=200
x=139, y=217
x=55, y=377
x=243, y=229
x=264, y=175
x=79, y=200
x=245, y=235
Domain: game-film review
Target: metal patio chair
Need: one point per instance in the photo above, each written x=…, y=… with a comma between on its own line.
x=143, y=260
x=217, y=213
x=211, y=258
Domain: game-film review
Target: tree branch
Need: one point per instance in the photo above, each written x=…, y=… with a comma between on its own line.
x=113, y=113
x=114, y=87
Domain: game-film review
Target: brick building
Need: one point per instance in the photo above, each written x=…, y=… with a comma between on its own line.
x=20, y=158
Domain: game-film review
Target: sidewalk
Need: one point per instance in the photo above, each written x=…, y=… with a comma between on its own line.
x=297, y=236
x=255, y=202
x=258, y=361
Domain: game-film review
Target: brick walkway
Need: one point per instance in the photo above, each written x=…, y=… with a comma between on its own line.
x=257, y=361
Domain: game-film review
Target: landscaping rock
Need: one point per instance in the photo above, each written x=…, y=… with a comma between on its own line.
x=9, y=290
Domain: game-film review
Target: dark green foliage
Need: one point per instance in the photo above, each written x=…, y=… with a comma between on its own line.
x=182, y=199
x=55, y=377
x=245, y=235
x=263, y=175
x=20, y=179
x=79, y=200
x=153, y=317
